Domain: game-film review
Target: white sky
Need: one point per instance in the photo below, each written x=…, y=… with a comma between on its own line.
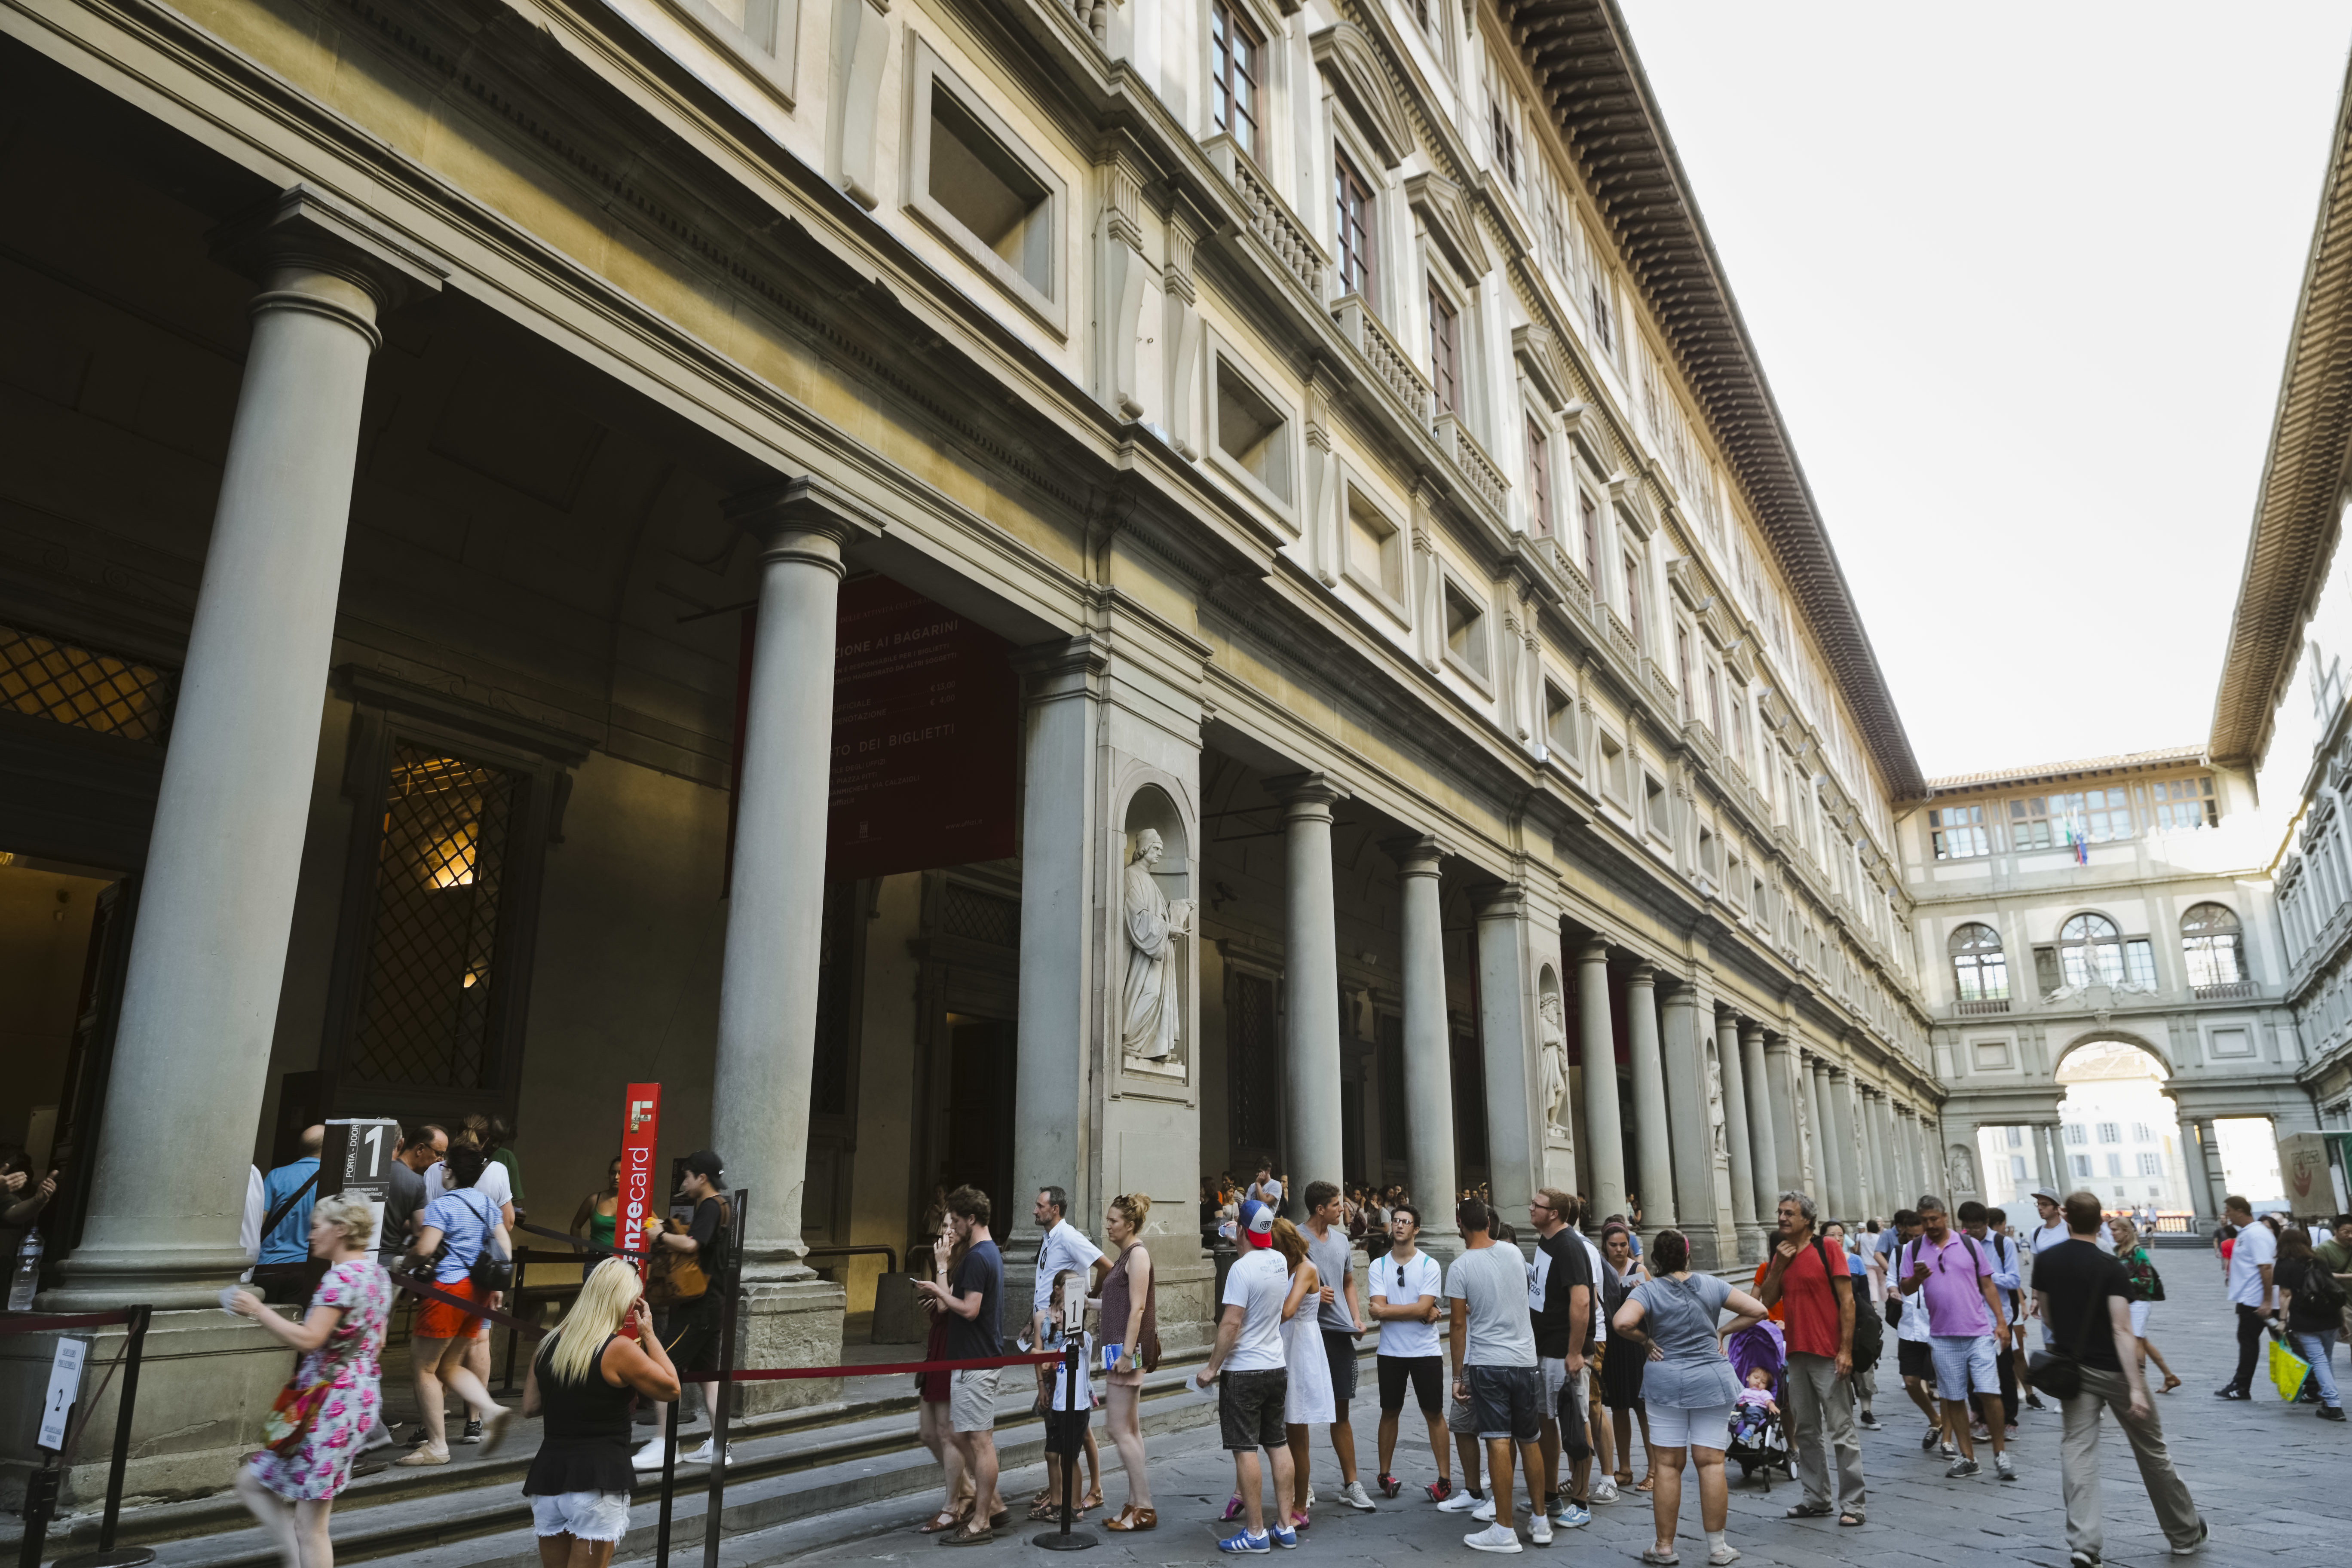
x=2022, y=279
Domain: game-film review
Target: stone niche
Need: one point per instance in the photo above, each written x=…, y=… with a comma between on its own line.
x=1152, y=814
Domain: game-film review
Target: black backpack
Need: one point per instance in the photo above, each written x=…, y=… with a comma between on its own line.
x=1869, y=1333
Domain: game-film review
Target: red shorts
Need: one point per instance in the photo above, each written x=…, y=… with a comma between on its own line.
x=440, y=1320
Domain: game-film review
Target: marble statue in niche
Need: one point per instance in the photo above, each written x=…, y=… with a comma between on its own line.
x=1959, y=1172
x=1151, y=1015
x=1555, y=1064
x=1714, y=1121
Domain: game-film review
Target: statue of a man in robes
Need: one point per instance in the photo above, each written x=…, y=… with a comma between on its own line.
x=1152, y=1006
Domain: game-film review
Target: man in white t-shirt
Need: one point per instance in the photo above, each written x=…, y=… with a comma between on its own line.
x=1406, y=1285
x=1267, y=1189
x=2051, y=1231
x=1064, y=1248
x=1253, y=1380
x=2252, y=1293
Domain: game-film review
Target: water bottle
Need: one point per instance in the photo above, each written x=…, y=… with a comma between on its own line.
x=27, y=1279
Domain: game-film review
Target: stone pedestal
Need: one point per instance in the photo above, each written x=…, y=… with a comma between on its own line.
x=789, y=1324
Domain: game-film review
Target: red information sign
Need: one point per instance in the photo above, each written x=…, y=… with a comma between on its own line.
x=926, y=723
x=640, y=1126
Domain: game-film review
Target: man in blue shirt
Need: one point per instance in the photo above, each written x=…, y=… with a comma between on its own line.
x=289, y=1241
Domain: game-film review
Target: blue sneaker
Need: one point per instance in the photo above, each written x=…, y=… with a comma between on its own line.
x=1285, y=1539
x=1570, y=1516
x=1243, y=1541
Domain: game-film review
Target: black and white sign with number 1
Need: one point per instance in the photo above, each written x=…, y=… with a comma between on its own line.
x=65, y=1388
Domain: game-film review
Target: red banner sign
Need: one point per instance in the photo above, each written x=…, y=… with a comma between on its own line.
x=926, y=722
x=640, y=1126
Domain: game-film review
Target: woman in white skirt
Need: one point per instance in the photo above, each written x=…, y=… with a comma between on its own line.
x=2141, y=1275
x=1309, y=1401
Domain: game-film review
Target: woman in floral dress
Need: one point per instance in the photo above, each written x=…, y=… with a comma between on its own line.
x=291, y=1485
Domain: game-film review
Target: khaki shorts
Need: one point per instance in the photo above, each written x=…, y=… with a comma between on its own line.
x=971, y=1399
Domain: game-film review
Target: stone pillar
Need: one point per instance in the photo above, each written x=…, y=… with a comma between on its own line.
x=1687, y=1031
x=775, y=920
x=1653, y=1158
x=1875, y=1123
x=1604, y=1137
x=1784, y=1080
x=1829, y=1170
x=2197, y=1156
x=1506, y=1002
x=1763, y=1127
x=1922, y=1178
x=1907, y=1179
x=1310, y=1040
x=1052, y=1122
x=216, y=901
x=1847, y=1127
x=1735, y=1129
x=1428, y=1064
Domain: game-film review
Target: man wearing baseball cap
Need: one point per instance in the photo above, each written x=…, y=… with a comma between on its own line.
x=1251, y=1377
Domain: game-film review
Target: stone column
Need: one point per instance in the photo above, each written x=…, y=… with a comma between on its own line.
x=1907, y=1180
x=1687, y=1031
x=1653, y=1155
x=1604, y=1137
x=1052, y=1127
x=1428, y=1063
x=1506, y=1001
x=1735, y=1130
x=2204, y=1195
x=1829, y=1169
x=775, y=920
x=1784, y=1077
x=1882, y=1163
x=216, y=901
x=1763, y=1126
x=1310, y=1039
x=1844, y=1125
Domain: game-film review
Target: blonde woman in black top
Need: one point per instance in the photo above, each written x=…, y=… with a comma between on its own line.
x=600, y=1361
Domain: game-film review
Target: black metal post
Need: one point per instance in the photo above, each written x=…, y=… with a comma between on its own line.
x=40, y=1503
x=669, y=1478
x=125, y=1406
x=1071, y=1452
x=715, y=1507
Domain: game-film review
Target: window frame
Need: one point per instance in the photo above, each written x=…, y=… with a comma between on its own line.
x=2204, y=943
x=1452, y=582
x=1363, y=277
x=1353, y=492
x=926, y=71
x=1444, y=353
x=1971, y=963
x=1537, y=436
x=1220, y=353
x=1941, y=832
x=1221, y=76
x=2088, y=942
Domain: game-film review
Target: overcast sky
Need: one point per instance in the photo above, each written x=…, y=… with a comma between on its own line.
x=2022, y=279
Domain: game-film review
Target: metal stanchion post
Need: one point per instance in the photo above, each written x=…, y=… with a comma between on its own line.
x=714, y=1508
x=107, y=1555
x=669, y=1481
x=1065, y=1538
x=40, y=1505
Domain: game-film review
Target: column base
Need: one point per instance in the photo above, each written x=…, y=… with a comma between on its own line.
x=1756, y=1241
x=1185, y=1292
x=788, y=1322
x=205, y=1382
x=1708, y=1249
x=168, y=1278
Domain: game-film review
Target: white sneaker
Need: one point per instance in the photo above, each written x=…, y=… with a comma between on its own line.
x=1310, y=1494
x=1604, y=1489
x=1486, y=1509
x=1355, y=1497
x=702, y=1456
x=1463, y=1501
x=647, y=1458
x=1493, y=1537
x=1540, y=1530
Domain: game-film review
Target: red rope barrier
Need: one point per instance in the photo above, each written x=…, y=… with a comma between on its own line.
x=769, y=1374
x=43, y=1323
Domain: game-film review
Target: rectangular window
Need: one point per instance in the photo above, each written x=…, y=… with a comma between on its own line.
x=1466, y=631
x=1559, y=719
x=2179, y=804
x=1604, y=329
x=2077, y=1133
x=1352, y=230
x=2016, y=1137
x=1634, y=599
x=1507, y=138
x=1252, y=431
x=2140, y=1134
x=2030, y=827
x=2139, y=964
x=2151, y=1164
x=2082, y=1165
x=89, y=690
x=2109, y=1132
x=1588, y=511
x=1234, y=67
x=1959, y=832
x=1713, y=701
x=1375, y=549
x=1539, y=480
x=1613, y=769
x=1681, y=671
x=1444, y=353
x=2017, y=1167
x=2114, y=1164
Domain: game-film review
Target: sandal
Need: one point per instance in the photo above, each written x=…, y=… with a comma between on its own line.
x=1093, y=1499
x=1133, y=1518
x=1647, y=1484
x=1044, y=1508
x=946, y=1519
x=2170, y=1382
x=1850, y=1518
x=1810, y=1511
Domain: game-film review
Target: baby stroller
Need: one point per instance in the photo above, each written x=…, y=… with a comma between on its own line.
x=1759, y=1441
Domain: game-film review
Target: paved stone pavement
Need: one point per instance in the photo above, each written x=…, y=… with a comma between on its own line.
x=2276, y=1483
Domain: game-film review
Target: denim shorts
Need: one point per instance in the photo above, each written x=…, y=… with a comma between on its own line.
x=584, y=1516
x=1507, y=1402
x=1964, y=1362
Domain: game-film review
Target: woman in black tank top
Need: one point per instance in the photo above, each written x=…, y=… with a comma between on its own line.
x=585, y=1380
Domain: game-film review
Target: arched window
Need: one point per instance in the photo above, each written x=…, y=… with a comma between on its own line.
x=1979, y=966
x=2091, y=949
x=2214, y=945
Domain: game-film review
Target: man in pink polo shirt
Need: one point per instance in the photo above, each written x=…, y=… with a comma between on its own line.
x=1955, y=1277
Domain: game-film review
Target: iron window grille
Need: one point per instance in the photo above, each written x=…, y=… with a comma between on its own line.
x=67, y=683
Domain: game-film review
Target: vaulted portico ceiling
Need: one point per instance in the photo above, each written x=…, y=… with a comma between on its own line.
x=1581, y=55
x=2299, y=508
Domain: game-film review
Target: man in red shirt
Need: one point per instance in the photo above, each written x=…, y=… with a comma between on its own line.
x=1806, y=1278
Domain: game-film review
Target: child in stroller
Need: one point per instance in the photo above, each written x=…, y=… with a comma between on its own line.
x=1757, y=1439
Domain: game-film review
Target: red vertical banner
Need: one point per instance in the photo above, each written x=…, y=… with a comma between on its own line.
x=640, y=1127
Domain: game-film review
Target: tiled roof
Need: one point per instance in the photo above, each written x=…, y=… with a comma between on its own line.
x=2157, y=758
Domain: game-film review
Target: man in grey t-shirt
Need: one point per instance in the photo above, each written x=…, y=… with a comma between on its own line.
x=1340, y=1317
x=1495, y=1370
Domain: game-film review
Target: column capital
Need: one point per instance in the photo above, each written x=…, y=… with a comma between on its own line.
x=1416, y=855
x=1594, y=952
x=804, y=519
x=302, y=231
x=1065, y=667
x=1644, y=974
x=1307, y=795
x=1498, y=901
x=1749, y=1029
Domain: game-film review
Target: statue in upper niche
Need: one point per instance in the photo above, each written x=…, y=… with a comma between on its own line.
x=1959, y=1171
x=1555, y=1064
x=1714, y=1107
x=1152, y=1021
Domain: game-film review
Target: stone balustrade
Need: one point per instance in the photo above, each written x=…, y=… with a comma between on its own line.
x=1478, y=471
x=1270, y=217
x=1389, y=366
